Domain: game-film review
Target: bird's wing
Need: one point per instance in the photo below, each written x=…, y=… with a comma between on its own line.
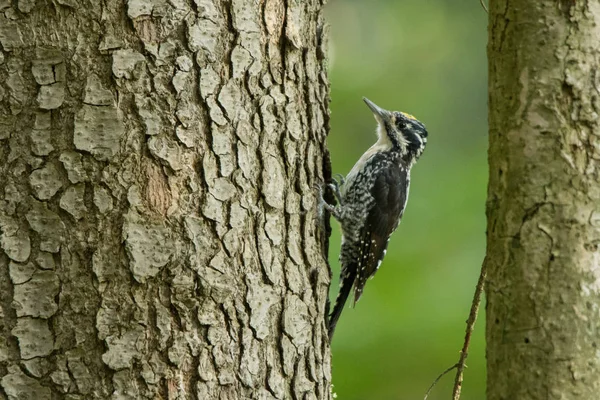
x=389, y=193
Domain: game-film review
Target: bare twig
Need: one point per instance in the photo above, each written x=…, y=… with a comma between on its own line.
x=483, y=5
x=437, y=380
x=460, y=366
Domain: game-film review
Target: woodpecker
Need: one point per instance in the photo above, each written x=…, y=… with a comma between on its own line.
x=372, y=198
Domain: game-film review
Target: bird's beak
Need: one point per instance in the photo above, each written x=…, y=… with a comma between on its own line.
x=380, y=114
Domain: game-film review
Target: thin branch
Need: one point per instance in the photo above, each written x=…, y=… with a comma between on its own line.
x=460, y=366
x=483, y=5
x=437, y=380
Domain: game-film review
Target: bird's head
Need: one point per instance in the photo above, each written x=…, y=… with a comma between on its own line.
x=404, y=132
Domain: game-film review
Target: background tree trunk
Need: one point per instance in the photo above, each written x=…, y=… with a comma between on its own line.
x=157, y=214
x=543, y=310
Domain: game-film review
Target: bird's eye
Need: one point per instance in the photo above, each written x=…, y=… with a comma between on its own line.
x=400, y=122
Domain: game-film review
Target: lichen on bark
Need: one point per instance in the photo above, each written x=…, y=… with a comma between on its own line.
x=543, y=291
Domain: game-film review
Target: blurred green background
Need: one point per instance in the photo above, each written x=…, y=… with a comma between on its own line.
x=426, y=58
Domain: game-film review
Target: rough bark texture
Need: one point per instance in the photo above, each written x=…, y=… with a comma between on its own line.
x=543, y=310
x=158, y=219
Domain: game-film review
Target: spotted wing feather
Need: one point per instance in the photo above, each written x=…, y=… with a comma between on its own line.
x=389, y=192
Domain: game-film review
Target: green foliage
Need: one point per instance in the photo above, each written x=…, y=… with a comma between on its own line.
x=426, y=58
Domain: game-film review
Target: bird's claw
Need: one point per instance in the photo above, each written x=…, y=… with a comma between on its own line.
x=340, y=178
x=320, y=197
x=335, y=188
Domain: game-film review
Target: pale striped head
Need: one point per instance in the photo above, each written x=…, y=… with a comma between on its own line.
x=406, y=133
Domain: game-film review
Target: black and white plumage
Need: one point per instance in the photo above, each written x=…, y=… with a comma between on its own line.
x=372, y=199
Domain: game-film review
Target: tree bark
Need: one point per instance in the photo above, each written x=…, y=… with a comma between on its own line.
x=159, y=225
x=543, y=289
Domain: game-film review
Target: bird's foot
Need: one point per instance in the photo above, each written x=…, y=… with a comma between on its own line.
x=333, y=210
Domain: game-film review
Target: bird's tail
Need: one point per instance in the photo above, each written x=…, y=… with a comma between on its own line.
x=346, y=281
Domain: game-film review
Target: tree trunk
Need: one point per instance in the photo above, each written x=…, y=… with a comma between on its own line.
x=157, y=213
x=543, y=290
